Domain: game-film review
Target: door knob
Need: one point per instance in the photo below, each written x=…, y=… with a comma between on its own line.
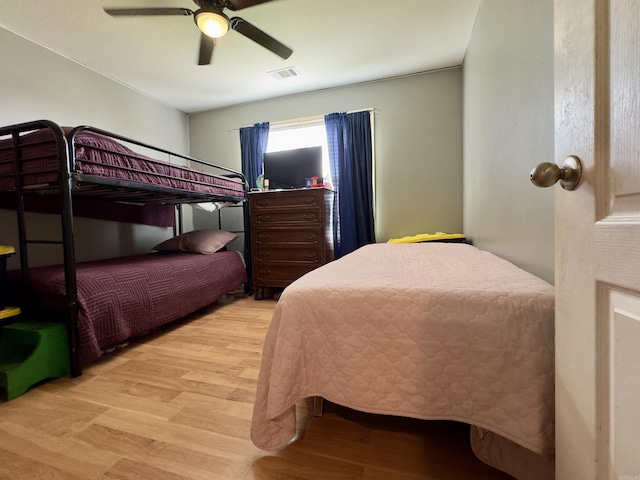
x=547, y=174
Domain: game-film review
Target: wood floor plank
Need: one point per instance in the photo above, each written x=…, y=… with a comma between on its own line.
x=127, y=469
x=42, y=411
x=213, y=404
x=165, y=456
x=185, y=436
x=177, y=403
x=200, y=361
x=128, y=395
x=245, y=395
x=304, y=465
x=65, y=453
x=10, y=463
x=138, y=373
x=216, y=378
x=152, y=393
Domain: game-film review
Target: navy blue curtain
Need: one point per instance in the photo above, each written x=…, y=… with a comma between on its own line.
x=351, y=158
x=253, y=144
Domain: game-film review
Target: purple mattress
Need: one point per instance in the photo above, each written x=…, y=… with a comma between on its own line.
x=101, y=156
x=123, y=297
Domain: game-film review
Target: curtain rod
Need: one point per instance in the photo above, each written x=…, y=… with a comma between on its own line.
x=307, y=119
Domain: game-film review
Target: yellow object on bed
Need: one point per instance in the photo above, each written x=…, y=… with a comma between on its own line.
x=428, y=237
x=6, y=250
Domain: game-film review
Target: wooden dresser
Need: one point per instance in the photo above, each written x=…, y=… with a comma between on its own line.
x=291, y=234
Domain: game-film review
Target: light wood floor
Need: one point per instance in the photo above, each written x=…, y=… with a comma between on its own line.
x=177, y=405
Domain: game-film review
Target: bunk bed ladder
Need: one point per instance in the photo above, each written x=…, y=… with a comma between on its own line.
x=67, y=241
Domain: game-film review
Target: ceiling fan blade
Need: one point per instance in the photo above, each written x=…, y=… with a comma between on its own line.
x=121, y=12
x=254, y=33
x=206, y=49
x=240, y=4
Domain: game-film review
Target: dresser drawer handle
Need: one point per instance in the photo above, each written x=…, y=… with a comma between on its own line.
x=263, y=203
x=310, y=216
x=263, y=218
x=310, y=236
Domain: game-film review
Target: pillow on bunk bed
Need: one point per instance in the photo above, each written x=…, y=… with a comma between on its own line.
x=197, y=241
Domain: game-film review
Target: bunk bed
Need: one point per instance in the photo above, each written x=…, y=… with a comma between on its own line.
x=63, y=165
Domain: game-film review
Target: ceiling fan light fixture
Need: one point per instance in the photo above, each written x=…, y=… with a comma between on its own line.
x=212, y=24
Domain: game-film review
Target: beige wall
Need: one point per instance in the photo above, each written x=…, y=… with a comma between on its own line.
x=36, y=83
x=508, y=129
x=418, y=144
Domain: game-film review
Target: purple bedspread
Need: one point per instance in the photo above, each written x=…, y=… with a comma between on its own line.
x=104, y=157
x=123, y=297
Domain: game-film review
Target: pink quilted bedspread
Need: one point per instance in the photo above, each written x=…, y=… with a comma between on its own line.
x=430, y=331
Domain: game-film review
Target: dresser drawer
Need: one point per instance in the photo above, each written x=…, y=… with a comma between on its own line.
x=273, y=254
x=287, y=200
x=288, y=237
x=280, y=275
x=287, y=217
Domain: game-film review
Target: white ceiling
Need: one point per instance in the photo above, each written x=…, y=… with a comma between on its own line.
x=335, y=43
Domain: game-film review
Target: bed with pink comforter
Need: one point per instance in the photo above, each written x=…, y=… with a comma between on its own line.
x=429, y=331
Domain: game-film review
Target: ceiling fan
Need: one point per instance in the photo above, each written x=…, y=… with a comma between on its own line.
x=213, y=23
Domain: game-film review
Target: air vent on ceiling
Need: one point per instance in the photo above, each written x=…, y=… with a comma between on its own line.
x=284, y=73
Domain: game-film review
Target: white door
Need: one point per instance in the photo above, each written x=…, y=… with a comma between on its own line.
x=597, y=88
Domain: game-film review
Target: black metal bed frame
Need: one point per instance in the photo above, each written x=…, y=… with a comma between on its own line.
x=69, y=181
